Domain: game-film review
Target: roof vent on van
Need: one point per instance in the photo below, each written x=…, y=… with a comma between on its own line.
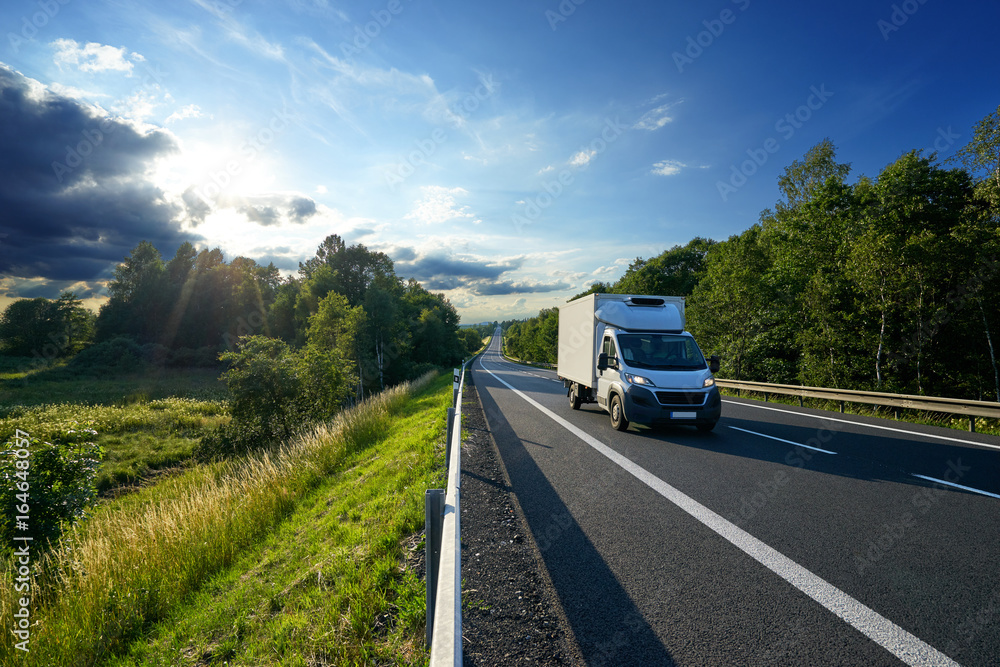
x=645, y=301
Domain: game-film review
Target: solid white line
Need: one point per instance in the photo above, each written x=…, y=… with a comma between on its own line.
x=882, y=428
x=815, y=449
x=905, y=646
x=957, y=486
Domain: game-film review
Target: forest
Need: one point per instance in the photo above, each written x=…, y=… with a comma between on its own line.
x=887, y=283
x=293, y=350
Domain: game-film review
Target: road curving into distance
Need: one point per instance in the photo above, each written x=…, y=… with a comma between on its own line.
x=787, y=536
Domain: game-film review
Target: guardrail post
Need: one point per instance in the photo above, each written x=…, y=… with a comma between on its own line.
x=433, y=528
x=972, y=424
x=451, y=426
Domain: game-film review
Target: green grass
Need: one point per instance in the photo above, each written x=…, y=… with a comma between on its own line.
x=39, y=387
x=285, y=559
x=151, y=424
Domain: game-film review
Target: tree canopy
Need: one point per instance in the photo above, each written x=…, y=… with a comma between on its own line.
x=888, y=282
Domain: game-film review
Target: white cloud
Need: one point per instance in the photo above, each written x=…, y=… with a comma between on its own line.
x=672, y=167
x=76, y=93
x=94, y=57
x=668, y=167
x=583, y=158
x=438, y=205
x=139, y=107
x=617, y=265
x=190, y=111
x=656, y=118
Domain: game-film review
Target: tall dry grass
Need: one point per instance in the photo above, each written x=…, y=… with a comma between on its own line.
x=130, y=563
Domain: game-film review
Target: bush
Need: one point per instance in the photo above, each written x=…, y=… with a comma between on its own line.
x=121, y=355
x=275, y=392
x=155, y=354
x=54, y=482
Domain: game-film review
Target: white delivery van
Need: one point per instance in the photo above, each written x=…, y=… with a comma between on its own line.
x=631, y=356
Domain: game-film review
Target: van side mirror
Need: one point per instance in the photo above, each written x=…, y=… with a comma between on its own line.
x=602, y=361
x=713, y=363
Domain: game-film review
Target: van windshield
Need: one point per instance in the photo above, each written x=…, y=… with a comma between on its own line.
x=661, y=352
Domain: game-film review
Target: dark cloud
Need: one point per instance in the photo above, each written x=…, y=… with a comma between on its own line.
x=52, y=289
x=195, y=206
x=73, y=197
x=486, y=288
x=302, y=209
x=358, y=233
x=402, y=254
x=439, y=272
x=265, y=210
x=262, y=215
x=439, y=268
x=282, y=257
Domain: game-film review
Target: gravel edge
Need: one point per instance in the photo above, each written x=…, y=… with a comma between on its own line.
x=510, y=611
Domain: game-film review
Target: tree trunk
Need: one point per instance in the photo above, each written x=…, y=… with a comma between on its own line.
x=993, y=359
x=920, y=338
x=881, y=344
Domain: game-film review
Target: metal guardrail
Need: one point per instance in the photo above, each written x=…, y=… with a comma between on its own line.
x=956, y=406
x=443, y=547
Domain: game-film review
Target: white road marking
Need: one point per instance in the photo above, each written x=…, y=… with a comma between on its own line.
x=875, y=426
x=957, y=486
x=815, y=449
x=910, y=649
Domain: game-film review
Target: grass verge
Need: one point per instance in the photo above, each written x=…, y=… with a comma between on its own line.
x=191, y=570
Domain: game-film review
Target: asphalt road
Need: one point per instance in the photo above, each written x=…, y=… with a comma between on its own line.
x=787, y=536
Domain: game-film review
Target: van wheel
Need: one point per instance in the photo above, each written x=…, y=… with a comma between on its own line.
x=705, y=428
x=618, y=420
x=574, y=398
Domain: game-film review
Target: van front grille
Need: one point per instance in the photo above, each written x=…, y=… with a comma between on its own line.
x=680, y=397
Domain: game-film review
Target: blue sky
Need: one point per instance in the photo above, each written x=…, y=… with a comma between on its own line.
x=508, y=154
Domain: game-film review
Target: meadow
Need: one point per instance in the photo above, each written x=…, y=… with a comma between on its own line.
x=146, y=423
x=289, y=557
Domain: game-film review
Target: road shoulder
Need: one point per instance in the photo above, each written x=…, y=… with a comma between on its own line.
x=510, y=612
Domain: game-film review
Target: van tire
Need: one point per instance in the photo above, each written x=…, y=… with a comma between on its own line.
x=706, y=428
x=574, y=398
x=617, y=410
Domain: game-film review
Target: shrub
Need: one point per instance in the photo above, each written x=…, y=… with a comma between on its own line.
x=263, y=380
x=54, y=482
x=275, y=392
x=120, y=354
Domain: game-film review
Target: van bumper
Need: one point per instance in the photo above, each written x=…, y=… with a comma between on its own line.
x=643, y=407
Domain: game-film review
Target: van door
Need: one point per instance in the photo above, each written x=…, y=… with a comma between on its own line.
x=609, y=375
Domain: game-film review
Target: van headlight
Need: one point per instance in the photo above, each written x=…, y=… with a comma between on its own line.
x=709, y=382
x=638, y=379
